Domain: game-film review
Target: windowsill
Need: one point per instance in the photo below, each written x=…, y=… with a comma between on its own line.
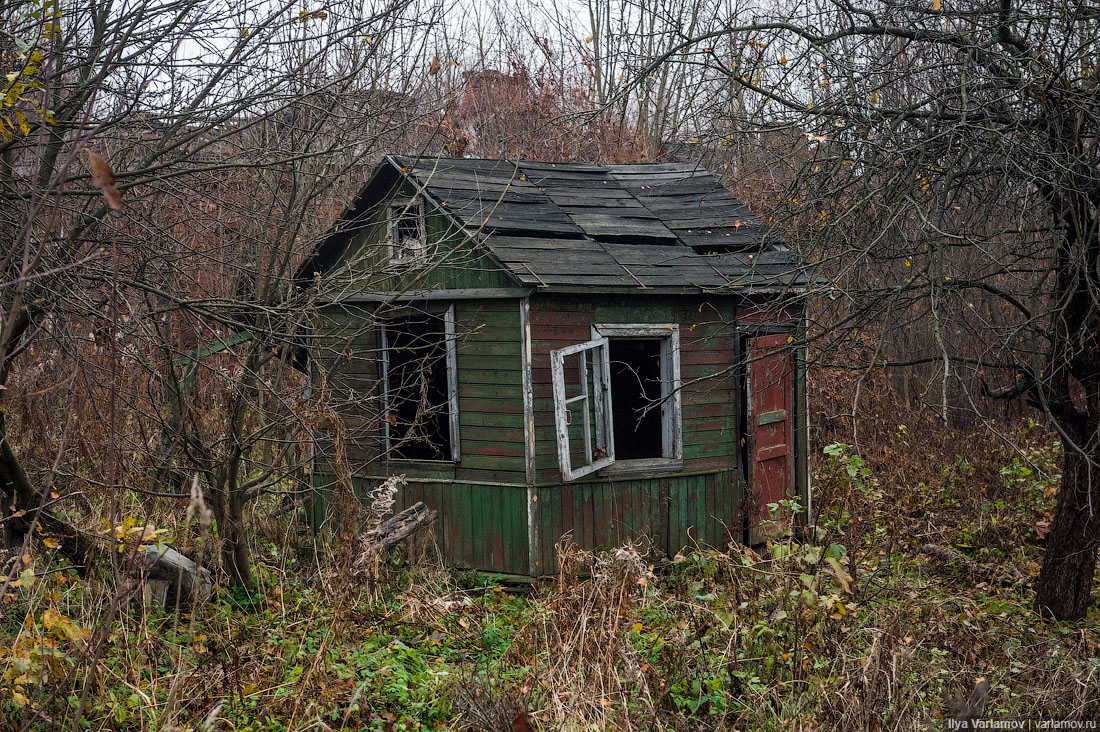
x=423, y=461
x=644, y=468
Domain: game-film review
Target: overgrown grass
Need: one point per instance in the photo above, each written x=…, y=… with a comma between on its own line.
x=845, y=625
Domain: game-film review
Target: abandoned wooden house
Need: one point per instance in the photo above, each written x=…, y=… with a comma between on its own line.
x=545, y=349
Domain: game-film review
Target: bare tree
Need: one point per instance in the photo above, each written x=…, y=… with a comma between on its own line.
x=164, y=170
x=952, y=185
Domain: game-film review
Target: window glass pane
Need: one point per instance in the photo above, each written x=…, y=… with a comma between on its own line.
x=635, y=385
x=416, y=383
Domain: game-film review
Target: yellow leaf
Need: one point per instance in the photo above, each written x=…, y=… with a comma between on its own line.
x=51, y=543
x=49, y=619
x=24, y=126
x=936, y=5
x=19, y=699
x=783, y=60
x=637, y=628
x=26, y=577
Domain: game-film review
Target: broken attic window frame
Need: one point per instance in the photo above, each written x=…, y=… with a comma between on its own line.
x=592, y=354
x=668, y=401
x=407, y=231
x=387, y=336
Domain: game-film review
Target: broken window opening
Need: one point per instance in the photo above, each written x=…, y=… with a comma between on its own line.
x=417, y=359
x=636, y=395
x=626, y=378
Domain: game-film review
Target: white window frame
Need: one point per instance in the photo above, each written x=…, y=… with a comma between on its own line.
x=672, y=437
x=451, y=362
x=599, y=402
x=407, y=208
x=672, y=442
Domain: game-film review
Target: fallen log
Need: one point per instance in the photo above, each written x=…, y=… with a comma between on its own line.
x=185, y=582
x=402, y=526
x=392, y=532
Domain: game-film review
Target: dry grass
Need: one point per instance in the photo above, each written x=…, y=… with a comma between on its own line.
x=849, y=626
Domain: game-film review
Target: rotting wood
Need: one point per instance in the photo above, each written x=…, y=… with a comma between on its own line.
x=401, y=526
x=187, y=582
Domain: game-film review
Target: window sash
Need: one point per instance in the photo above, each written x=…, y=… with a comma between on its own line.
x=599, y=402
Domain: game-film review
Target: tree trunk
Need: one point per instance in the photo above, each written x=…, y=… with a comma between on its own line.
x=229, y=514
x=1063, y=589
x=18, y=493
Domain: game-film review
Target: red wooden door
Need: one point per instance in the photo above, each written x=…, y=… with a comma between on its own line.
x=771, y=449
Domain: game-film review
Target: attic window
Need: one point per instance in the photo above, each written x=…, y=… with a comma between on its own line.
x=407, y=231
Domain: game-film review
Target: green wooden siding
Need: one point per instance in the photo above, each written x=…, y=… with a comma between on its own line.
x=673, y=512
x=483, y=500
x=457, y=262
x=490, y=396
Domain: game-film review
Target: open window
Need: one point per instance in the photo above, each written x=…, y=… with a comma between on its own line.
x=408, y=235
x=582, y=397
x=623, y=388
x=419, y=388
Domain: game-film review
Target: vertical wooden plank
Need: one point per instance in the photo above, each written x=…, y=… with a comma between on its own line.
x=612, y=519
x=627, y=494
x=584, y=512
x=475, y=526
x=457, y=530
x=648, y=507
x=445, y=522
x=602, y=532
x=569, y=513
x=518, y=558
x=685, y=513
x=549, y=500
x=500, y=519
x=703, y=498
x=618, y=494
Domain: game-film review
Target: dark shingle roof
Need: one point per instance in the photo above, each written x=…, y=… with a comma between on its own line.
x=667, y=226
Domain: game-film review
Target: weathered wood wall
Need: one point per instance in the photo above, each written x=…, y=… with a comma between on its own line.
x=707, y=358
x=482, y=499
x=700, y=504
x=491, y=517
